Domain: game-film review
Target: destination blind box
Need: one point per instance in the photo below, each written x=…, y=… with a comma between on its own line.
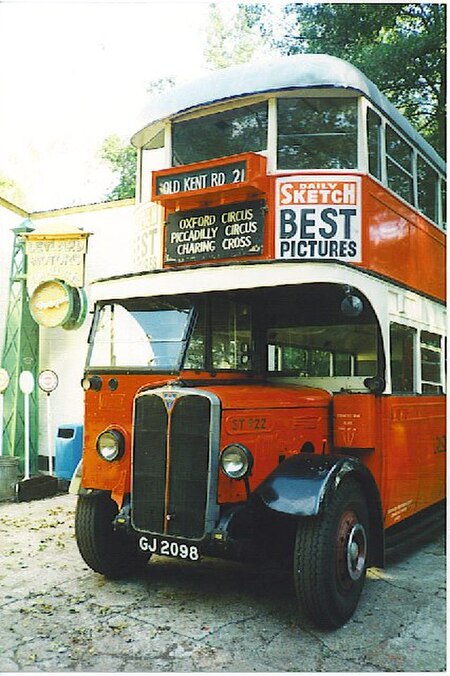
x=240, y=174
x=227, y=231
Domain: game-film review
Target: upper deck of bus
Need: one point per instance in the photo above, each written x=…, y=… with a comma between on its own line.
x=240, y=84
x=296, y=122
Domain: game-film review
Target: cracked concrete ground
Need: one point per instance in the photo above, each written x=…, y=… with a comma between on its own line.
x=58, y=615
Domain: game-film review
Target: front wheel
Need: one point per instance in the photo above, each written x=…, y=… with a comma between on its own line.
x=330, y=557
x=111, y=553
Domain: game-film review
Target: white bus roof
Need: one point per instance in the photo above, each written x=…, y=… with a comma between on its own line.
x=288, y=73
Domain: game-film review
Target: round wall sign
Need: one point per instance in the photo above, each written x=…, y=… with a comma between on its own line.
x=48, y=380
x=26, y=382
x=4, y=380
x=51, y=303
x=55, y=303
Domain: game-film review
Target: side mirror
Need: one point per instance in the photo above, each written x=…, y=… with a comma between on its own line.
x=375, y=384
x=352, y=306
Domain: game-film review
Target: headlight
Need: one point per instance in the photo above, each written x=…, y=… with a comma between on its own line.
x=111, y=445
x=91, y=383
x=236, y=461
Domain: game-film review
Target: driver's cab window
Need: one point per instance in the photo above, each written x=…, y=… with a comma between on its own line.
x=231, y=335
x=230, y=132
x=222, y=337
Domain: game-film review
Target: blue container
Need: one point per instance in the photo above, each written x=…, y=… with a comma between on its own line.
x=68, y=449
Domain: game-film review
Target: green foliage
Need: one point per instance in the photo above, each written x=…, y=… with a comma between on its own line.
x=400, y=47
x=122, y=159
x=232, y=38
x=122, y=156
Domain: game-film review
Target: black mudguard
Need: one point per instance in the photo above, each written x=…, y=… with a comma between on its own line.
x=300, y=485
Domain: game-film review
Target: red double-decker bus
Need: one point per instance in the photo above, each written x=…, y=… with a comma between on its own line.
x=275, y=386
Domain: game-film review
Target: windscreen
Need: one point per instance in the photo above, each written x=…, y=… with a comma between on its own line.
x=139, y=334
x=222, y=134
x=317, y=133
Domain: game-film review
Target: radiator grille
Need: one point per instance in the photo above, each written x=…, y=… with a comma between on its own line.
x=188, y=480
x=171, y=465
x=149, y=464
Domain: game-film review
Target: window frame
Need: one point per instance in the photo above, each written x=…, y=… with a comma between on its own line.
x=414, y=359
x=439, y=221
x=438, y=350
x=338, y=94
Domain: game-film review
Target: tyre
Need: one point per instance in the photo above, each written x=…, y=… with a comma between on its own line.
x=112, y=553
x=330, y=557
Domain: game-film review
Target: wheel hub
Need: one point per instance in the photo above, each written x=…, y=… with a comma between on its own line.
x=356, y=552
x=351, y=551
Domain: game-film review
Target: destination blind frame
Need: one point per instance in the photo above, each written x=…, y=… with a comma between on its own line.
x=226, y=231
x=201, y=179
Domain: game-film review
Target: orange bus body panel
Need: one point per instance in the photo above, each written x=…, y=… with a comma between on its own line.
x=354, y=421
x=398, y=243
x=275, y=423
x=407, y=433
x=413, y=430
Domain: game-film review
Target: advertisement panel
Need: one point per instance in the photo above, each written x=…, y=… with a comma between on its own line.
x=318, y=218
x=57, y=256
x=148, y=226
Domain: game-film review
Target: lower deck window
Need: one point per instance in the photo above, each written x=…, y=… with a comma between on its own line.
x=430, y=358
x=309, y=337
x=402, y=358
x=410, y=353
x=231, y=335
x=228, y=334
x=323, y=350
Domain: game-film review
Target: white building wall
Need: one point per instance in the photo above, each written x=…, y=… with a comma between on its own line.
x=110, y=247
x=110, y=252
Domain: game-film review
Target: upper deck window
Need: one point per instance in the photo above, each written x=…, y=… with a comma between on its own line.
x=227, y=133
x=317, y=133
x=399, y=165
x=427, y=188
x=374, y=127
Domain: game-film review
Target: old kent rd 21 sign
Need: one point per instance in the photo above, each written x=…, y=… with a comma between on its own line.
x=208, y=177
x=219, y=232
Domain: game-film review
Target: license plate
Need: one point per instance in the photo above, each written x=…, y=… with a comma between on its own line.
x=178, y=550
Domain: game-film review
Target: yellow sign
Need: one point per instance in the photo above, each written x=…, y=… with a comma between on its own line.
x=55, y=256
x=50, y=304
x=55, y=303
